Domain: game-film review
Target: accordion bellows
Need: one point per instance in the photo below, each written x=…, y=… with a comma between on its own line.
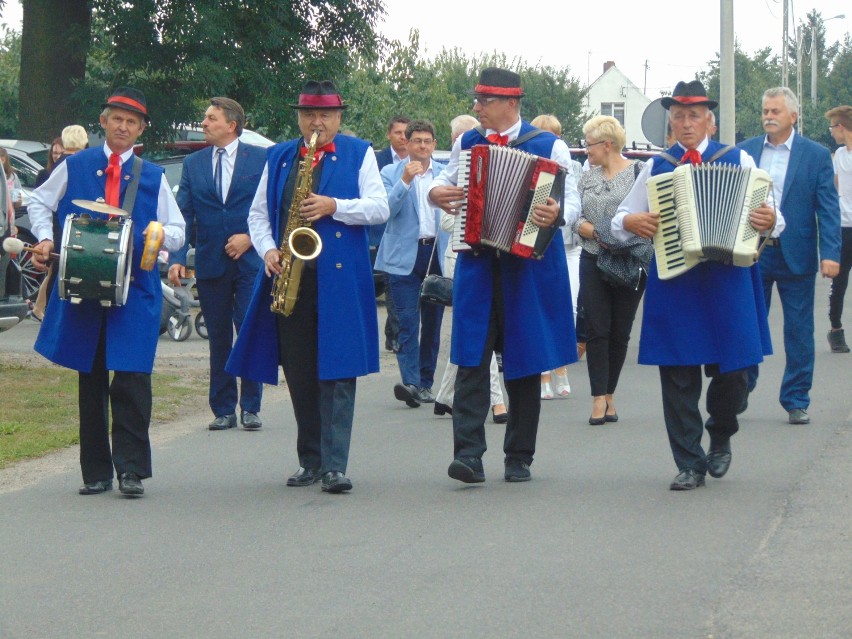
x=704, y=215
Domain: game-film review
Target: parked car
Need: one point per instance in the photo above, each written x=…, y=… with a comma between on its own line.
x=12, y=306
x=36, y=151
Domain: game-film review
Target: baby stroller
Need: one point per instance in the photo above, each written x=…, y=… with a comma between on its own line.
x=178, y=302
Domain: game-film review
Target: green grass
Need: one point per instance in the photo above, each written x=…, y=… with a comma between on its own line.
x=39, y=413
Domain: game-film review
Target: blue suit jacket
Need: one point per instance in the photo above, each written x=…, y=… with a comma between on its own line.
x=384, y=157
x=398, y=249
x=217, y=221
x=809, y=204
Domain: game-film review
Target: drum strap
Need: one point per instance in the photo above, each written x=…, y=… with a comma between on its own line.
x=133, y=187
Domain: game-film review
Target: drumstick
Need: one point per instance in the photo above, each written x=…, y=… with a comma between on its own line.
x=14, y=245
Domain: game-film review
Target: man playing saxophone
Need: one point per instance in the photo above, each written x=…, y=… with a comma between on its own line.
x=330, y=336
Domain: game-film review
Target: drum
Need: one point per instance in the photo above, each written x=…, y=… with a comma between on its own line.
x=96, y=259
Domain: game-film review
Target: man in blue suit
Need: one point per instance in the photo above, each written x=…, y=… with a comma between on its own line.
x=396, y=152
x=803, y=184
x=216, y=191
x=412, y=247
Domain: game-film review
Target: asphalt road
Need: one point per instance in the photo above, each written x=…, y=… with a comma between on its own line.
x=595, y=546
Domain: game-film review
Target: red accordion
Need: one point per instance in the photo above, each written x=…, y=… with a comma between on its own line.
x=503, y=185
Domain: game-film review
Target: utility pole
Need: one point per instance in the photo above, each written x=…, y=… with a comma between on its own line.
x=727, y=84
x=799, y=55
x=814, y=49
x=784, y=37
x=645, y=86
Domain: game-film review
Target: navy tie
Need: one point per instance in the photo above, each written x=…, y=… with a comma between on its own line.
x=217, y=174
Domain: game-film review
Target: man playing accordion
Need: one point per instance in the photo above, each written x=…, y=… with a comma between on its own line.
x=712, y=315
x=520, y=307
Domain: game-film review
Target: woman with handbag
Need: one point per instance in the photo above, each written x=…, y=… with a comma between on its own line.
x=609, y=302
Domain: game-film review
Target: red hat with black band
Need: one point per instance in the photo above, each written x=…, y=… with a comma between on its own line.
x=689, y=94
x=320, y=95
x=129, y=99
x=500, y=83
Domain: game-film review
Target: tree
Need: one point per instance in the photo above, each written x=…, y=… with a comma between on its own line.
x=179, y=52
x=10, y=66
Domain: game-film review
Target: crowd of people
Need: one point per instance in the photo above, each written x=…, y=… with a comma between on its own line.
x=288, y=238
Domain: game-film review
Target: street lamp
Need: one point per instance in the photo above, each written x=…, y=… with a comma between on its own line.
x=815, y=57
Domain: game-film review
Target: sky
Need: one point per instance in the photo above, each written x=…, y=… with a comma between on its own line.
x=583, y=35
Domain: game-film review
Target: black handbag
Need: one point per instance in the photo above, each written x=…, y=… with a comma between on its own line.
x=436, y=289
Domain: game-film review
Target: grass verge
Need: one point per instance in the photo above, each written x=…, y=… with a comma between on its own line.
x=39, y=414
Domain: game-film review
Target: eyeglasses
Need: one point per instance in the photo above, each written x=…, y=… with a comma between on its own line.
x=833, y=126
x=484, y=101
x=425, y=141
x=588, y=144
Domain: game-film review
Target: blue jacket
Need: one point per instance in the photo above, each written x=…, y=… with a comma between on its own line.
x=809, y=203
x=348, y=324
x=70, y=332
x=398, y=249
x=217, y=221
x=712, y=314
x=538, y=317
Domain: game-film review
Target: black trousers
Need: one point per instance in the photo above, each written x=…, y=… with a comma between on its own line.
x=609, y=313
x=129, y=394
x=324, y=409
x=681, y=386
x=839, y=283
x=472, y=398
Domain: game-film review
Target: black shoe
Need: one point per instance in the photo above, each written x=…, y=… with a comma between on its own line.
x=743, y=407
x=96, y=487
x=597, y=421
x=407, y=393
x=223, y=422
x=251, y=421
x=425, y=396
x=335, y=482
x=516, y=470
x=837, y=341
x=304, y=477
x=391, y=345
x=718, y=460
x=130, y=485
x=687, y=480
x=467, y=469
x=798, y=416
x=502, y=418
x=442, y=409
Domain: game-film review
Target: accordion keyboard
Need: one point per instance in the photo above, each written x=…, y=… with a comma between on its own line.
x=463, y=181
x=671, y=259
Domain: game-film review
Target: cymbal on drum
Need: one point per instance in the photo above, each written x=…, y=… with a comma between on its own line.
x=99, y=207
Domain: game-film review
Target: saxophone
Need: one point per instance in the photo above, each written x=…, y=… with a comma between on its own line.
x=299, y=243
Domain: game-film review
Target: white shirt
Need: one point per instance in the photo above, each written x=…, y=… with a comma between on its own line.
x=44, y=202
x=425, y=209
x=559, y=153
x=229, y=157
x=637, y=200
x=774, y=160
x=370, y=208
x=843, y=170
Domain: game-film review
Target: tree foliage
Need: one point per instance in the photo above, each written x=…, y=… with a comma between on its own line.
x=10, y=66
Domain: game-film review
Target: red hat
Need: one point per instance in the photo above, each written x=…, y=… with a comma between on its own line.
x=319, y=95
x=129, y=99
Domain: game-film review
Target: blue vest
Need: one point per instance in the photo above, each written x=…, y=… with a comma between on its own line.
x=69, y=334
x=712, y=314
x=348, y=329
x=538, y=318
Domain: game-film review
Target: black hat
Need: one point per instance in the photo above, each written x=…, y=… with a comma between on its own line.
x=689, y=94
x=129, y=99
x=498, y=82
x=319, y=95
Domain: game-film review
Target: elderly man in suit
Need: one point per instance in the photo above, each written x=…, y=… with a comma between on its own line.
x=216, y=190
x=803, y=184
x=412, y=247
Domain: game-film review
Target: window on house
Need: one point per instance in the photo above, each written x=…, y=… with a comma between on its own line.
x=614, y=109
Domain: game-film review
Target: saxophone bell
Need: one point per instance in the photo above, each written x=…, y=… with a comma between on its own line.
x=305, y=243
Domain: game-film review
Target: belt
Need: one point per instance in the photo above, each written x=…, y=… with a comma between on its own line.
x=426, y=241
x=773, y=241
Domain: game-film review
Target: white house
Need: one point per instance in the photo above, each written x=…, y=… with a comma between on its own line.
x=614, y=94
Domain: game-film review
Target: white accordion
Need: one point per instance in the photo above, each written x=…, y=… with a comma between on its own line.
x=704, y=215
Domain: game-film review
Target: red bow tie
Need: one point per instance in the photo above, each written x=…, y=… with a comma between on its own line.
x=692, y=156
x=499, y=140
x=328, y=148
